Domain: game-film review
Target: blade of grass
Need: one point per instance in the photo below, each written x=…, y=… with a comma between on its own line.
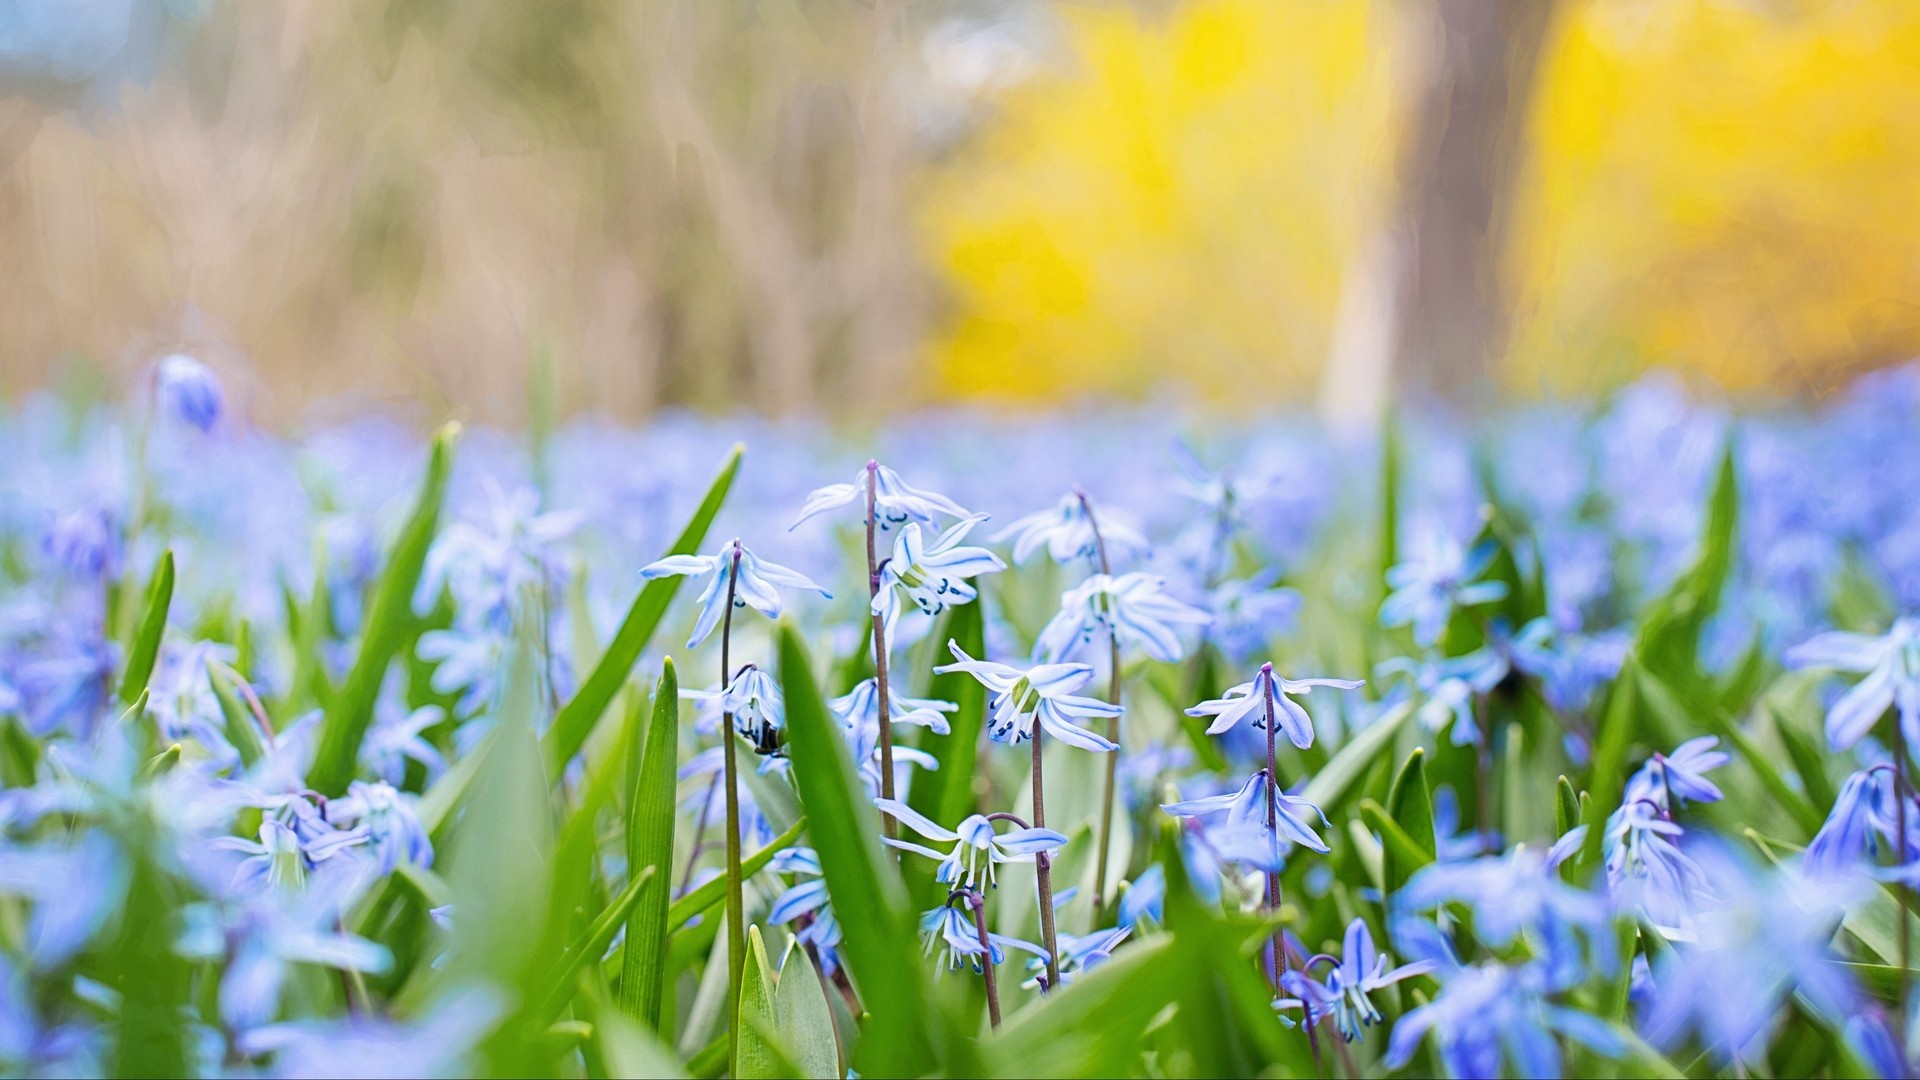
x=650, y=821
x=144, y=649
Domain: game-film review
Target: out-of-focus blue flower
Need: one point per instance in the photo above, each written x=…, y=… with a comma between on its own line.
x=1248, y=614
x=1521, y=892
x=895, y=502
x=396, y=738
x=977, y=849
x=755, y=588
x=1267, y=694
x=1237, y=811
x=949, y=925
x=390, y=820
x=1892, y=666
x=441, y=1043
x=261, y=939
x=1489, y=1016
x=1359, y=972
x=487, y=566
x=1067, y=533
x=1671, y=780
x=1769, y=936
x=1646, y=868
x=280, y=859
x=933, y=577
x=1436, y=581
x=1454, y=842
x=753, y=700
x=1449, y=685
x=1079, y=954
x=807, y=900
x=86, y=543
x=62, y=678
x=1570, y=666
x=188, y=390
x=75, y=888
x=1134, y=608
x=1043, y=693
x=1861, y=814
x=1146, y=897
x=1870, y=1035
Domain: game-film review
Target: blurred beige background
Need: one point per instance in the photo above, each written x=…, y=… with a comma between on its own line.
x=856, y=204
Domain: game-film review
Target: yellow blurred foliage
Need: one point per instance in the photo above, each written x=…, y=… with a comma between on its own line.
x=1184, y=201
x=1724, y=187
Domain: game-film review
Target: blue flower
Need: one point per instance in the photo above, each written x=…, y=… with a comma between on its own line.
x=934, y=578
x=1489, y=1015
x=977, y=849
x=189, y=390
x=1892, y=667
x=1079, y=953
x=1435, y=582
x=1449, y=685
x=895, y=502
x=390, y=820
x=1237, y=820
x=755, y=587
x=1134, y=608
x=859, y=709
x=1344, y=994
x=1067, y=533
x=261, y=940
x=76, y=888
x=1146, y=897
x=1267, y=694
x=753, y=699
x=955, y=928
x=1521, y=892
x=280, y=859
x=396, y=738
x=1681, y=775
x=1859, y=816
x=1042, y=693
x=1647, y=869
x=807, y=900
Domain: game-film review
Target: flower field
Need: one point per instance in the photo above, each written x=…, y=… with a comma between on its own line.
x=1573, y=740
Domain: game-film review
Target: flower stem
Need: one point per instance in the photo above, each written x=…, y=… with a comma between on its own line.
x=1899, y=741
x=1105, y=841
x=1279, y=944
x=1043, y=870
x=736, y=901
x=979, y=905
x=889, y=827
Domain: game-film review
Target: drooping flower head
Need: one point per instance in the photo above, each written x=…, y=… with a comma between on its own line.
x=1267, y=694
x=1067, y=532
x=1350, y=980
x=753, y=700
x=1237, y=822
x=933, y=576
x=977, y=848
x=1891, y=664
x=1042, y=694
x=755, y=586
x=1134, y=608
x=188, y=390
x=895, y=502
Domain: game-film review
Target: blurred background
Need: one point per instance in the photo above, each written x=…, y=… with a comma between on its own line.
x=858, y=205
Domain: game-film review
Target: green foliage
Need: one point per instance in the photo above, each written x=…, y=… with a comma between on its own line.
x=144, y=649
x=387, y=621
x=649, y=829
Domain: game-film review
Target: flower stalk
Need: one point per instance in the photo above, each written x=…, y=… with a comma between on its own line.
x=874, y=585
x=1105, y=830
x=736, y=900
x=1043, y=872
x=978, y=905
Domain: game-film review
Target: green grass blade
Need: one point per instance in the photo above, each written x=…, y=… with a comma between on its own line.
x=145, y=647
x=1411, y=808
x=759, y=1055
x=387, y=621
x=880, y=944
x=710, y=893
x=650, y=821
x=806, y=1019
x=240, y=727
x=578, y=716
x=1404, y=855
x=599, y=934
x=946, y=793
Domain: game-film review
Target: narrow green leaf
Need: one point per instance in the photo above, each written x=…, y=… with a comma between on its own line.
x=1668, y=640
x=160, y=763
x=144, y=649
x=865, y=888
x=1566, y=807
x=577, y=717
x=1411, y=808
x=1403, y=852
x=946, y=793
x=711, y=892
x=1807, y=760
x=1609, y=761
x=387, y=620
x=240, y=728
x=1330, y=784
x=650, y=821
x=758, y=1054
x=806, y=1019
x=598, y=936
x=625, y=1047
x=1093, y=1026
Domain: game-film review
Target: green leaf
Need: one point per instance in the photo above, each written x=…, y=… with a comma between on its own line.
x=711, y=892
x=806, y=1019
x=880, y=936
x=387, y=620
x=1617, y=727
x=1389, y=494
x=946, y=793
x=650, y=821
x=144, y=649
x=1668, y=641
x=1808, y=762
x=1411, y=808
x=598, y=936
x=627, y=1048
x=1403, y=852
x=240, y=727
x=757, y=1053
x=577, y=717
x=1330, y=784
x=1566, y=807
x=1094, y=1025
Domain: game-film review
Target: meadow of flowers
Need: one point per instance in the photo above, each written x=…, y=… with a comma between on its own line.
x=1573, y=740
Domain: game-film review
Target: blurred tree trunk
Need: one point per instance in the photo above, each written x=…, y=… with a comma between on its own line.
x=1426, y=309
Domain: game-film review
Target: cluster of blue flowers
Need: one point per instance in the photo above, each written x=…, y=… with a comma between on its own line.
x=312, y=758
